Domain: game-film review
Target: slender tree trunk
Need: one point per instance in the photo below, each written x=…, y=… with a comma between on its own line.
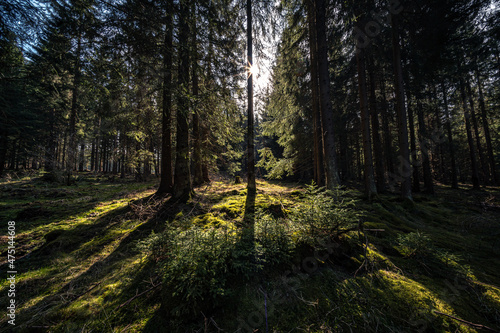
x=105, y=154
x=81, y=163
x=57, y=151
x=438, y=139
x=92, y=155
x=486, y=129
x=424, y=148
x=413, y=145
x=377, y=141
x=124, y=144
x=358, y=159
x=74, y=109
x=482, y=160
x=470, y=140
x=370, y=188
x=318, y=151
x=166, y=181
x=50, y=151
x=97, y=161
x=65, y=141
x=386, y=129
x=404, y=153
x=332, y=175
x=343, y=156
x=250, y=126
x=182, y=175
x=149, y=160
x=15, y=155
x=454, y=178
x=197, y=157
x=114, y=155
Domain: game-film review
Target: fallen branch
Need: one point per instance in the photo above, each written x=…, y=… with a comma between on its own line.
x=136, y=296
x=88, y=290
x=478, y=326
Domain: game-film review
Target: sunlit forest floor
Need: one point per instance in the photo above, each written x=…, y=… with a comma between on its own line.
x=81, y=258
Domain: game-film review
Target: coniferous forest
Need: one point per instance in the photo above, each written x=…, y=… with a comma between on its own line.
x=250, y=166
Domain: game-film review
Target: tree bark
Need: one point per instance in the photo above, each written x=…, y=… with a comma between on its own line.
x=487, y=134
x=482, y=160
x=424, y=148
x=413, y=145
x=318, y=151
x=370, y=188
x=182, y=175
x=377, y=141
x=197, y=157
x=454, y=178
x=404, y=153
x=74, y=109
x=50, y=150
x=251, y=186
x=470, y=140
x=81, y=163
x=166, y=181
x=438, y=131
x=332, y=175
x=386, y=129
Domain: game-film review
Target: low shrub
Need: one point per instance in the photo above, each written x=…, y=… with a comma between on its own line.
x=324, y=214
x=414, y=244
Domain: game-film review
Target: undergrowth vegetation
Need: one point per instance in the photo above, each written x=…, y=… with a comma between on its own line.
x=108, y=256
x=197, y=262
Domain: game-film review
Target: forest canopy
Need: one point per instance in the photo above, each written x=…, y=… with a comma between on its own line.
x=390, y=93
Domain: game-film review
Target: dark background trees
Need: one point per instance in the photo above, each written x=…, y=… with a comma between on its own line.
x=389, y=94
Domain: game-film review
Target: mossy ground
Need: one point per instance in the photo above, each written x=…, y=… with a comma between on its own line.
x=78, y=260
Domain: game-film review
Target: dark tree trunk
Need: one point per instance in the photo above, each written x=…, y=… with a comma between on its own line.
x=424, y=148
x=377, y=141
x=92, y=156
x=166, y=179
x=65, y=138
x=370, y=188
x=313, y=46
x=332, y=175
x=413, y=145
x=124, y=148
x=470, y=140
x=250, y=125
x=454, y=178
x=487, y=134
x=97, y=161
x=74, y=110
x=404, y=171
x=81, y=163
x=482, y=160
x=50, y=151
x=182, y=174
x=386, y=129
x=105, y=154
x=115, y=154
x=437, y=135
x=197, y=157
